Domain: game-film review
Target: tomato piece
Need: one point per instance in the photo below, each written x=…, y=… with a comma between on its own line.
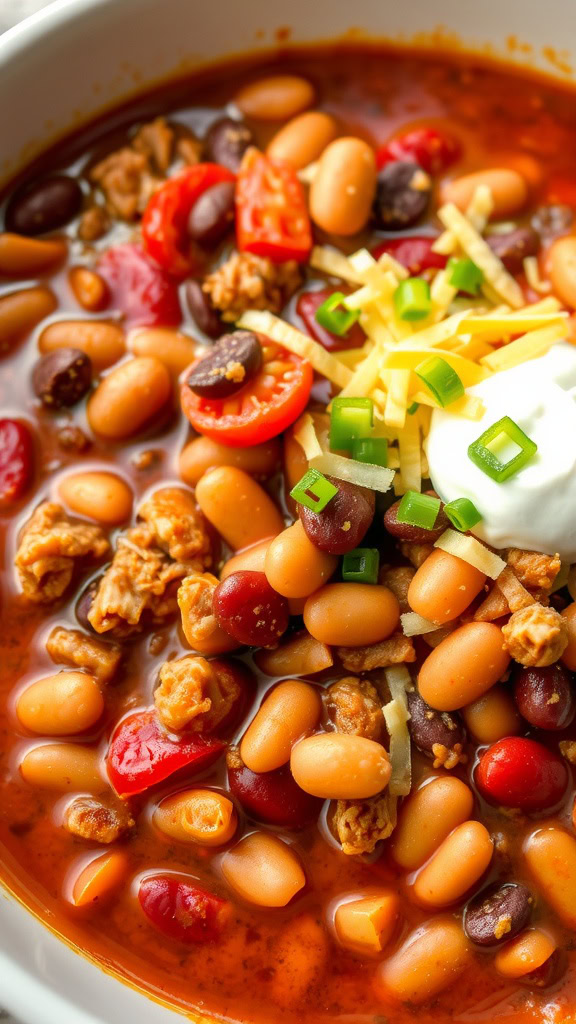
x=432, y=149
x=142, y=753
x=308, y=303
x=16, y=458
x=561, y=190
x=266, y=406
x=139, y=288
x=413, y=252
x=274, y=797
x=164, y=224
x=271, y=213
x=517, y=772
x=183, y=910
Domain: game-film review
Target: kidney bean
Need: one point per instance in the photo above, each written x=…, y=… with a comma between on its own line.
x=547, y=974
x=212, y=215
x=16, y=460
x=306, y=306
x=290, y=711
x=263, y=870
x=44, y=206
x=455, y=867
x=21, y=311
x=492, y=716
x=402, y=195
x=344, y=522
x=90, y=290
x=64, y=766
x=238, y=507
x=23, y=257
x=128, y=398
x=102, y=342
x=427, y=817
x=249, y=610
x=303, y=139
x=273, y=797
x=294, y=566
x=104, y=497
x=414, y=252
x=508, y=187
x=299, y=655
x=62, y=378
x=202, y=312
x=526, y=953
x=182, y=910
x=343, y=188
x=233, y=361
x=429, y=727
x=443, y=587
x=550, y=856
x=545, y=697
x=414, y=534
x=498, y=914
x=227, y=141
x=275, y=98
x=176, y=350
x=61, y=704
x=552, y=221
x=139, y=287
x=202, y=454
x=340, y=766
x=351, y=614
x=512, y=247
x=463, y=666
x=84, y=603
x=415, y=973
x=518, y=772
x=99, y=878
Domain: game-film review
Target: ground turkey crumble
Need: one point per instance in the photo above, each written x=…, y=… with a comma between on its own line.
x=354, y=707
x=361, y=824
x=50, y=545
x=396, y=650
x=195, y=694
x=99, y=822
x=72, y=647
x=246, y=281
x=535, y=636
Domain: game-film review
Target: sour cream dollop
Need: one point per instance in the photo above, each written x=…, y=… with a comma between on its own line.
x=536, y=508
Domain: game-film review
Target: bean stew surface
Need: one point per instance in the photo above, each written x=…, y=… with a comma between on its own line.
x=286, y=733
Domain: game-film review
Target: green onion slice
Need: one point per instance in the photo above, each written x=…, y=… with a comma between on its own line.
x=440, y=379
x=417, y=509
x=413, y=408
x=334, y=317
x=465, y=276
x=371, y=449
x=361, y=566
x=462, y=513
x=350, y=419
x=313, y=491
x=502, y=450
x=412, y=299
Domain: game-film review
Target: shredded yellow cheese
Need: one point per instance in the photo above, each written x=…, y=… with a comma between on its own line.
x=529, y=346
x=397, y=398
x=365, y=376
x=305, y=435
x=300, y=344
x=532, y=271
x=479, y=251
x=416, y=625
x=470, y=407
x=410, y=455
x=408, y=359
x=472, y=551
x=497, y=327
x=377, y=478
x=334, y=263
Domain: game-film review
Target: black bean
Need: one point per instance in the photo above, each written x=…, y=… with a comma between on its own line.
x=545, y=697
x=414, y=534
x=212, y=215
x=227, y=141
x=402, y=195
x=233, y=361
x=44, y=206
x=497, y=914
x=429, y=727
x=62, y=377
x=202, y=311
x=84, y=604
x=344, y=521
x=552, y=221
x=512, y=247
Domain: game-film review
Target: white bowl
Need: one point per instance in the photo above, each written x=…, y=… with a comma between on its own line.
x=79, y=57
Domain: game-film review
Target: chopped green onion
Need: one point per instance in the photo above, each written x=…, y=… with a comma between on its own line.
x=413, y=408
x=462, y=513
x=334, y=319
x=350, y=419
x=371, y=449
x=440, y=379
x=313, y=491
x=465, y=276
x=502, y=450
x=361, y=566
x=417, y=509
x=412, y=299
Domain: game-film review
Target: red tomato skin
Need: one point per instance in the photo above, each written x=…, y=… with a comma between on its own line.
x=16, y=460
x=183, y=910
x=432, y=149
x=142, y=753
x=139, y=288
x=273, y=797
x=166, y=215
x=413, y=252
x=519, y=772
x=271, y=213
x=306, y=306
x=242, y=430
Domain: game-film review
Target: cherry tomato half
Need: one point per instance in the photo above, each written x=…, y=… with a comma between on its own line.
x=271, y=214
x=306, y=307
x=269, y=402
x=166, y=215
x=182, y=910
x=139, y=288
x=16, y=457
x=142, y=753
x=518, y=772
x=432, y=149
x=413, y=252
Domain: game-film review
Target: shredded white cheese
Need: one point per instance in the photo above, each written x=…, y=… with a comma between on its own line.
x=472, y=551
x=415, y=625
x=364, y=474
x=396, y=716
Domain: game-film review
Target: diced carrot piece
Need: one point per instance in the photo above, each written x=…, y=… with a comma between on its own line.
x=367, y=925
x=99, y=877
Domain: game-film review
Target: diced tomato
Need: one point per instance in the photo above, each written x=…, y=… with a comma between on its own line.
x=139, y=288
x=269, y=402
x=142, y=753
x=306, y=307
x=271, y=214
x=16, y=458
x=432, y=149
x=182, y=910
x=165, y=220
x=519, y=772
x=413, y=252
x=561, y=190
